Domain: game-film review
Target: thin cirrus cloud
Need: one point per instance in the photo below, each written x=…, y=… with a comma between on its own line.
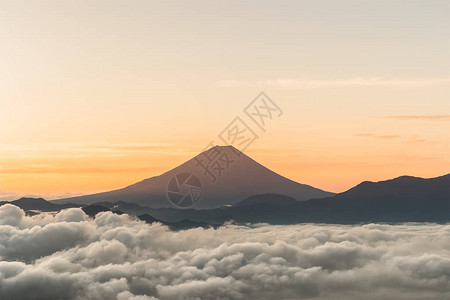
x=129, y=147
x=90, y=147
x=301, y=83
x=73, y=150
x=80, y=170
x=379, y=136
x=410, y=140
x=418, y=117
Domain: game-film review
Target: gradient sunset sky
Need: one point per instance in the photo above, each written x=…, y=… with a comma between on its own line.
x=97, y=95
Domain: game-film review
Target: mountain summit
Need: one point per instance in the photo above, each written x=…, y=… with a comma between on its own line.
x=219, y=176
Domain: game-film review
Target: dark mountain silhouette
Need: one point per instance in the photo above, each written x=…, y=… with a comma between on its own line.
x=403, y=199
x=404, y=190
x=35, y=203
x=180, y=225
x=39, y=204
x=93, y=209
x=406, y=197
x=240, y=178
x=104, y=203
x=147, y=218
x=268, y=199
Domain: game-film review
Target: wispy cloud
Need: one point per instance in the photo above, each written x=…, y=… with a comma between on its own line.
x=379, y=136
x=129, y=147
x=417, y=141
x=410, y=140
x=301, y=83
x=90, y=147
x=80, y=150
x=71, y=170
x=420, y=118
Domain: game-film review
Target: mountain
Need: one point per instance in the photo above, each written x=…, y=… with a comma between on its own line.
x=405, y=190
x=180, y=225
x=403, y=199
x=406, y=197
x=39, y=204
x=266, y=199
x=93, y=209
x=217, y=177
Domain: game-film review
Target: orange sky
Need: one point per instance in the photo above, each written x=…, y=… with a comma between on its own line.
x=96, y=97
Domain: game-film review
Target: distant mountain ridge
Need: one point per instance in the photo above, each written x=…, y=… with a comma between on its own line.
x=240, y=178
x=402, y=199
x=400, y=187
x=39, y=204
x=265, y=199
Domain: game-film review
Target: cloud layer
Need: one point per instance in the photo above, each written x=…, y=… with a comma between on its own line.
x=419, y=118
x=302, y=83
x=69, y=256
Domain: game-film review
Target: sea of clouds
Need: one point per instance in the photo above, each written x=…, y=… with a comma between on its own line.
x=71, y=256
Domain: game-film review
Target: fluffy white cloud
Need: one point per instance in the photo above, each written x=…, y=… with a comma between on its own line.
x=70, y=256
x=11, y=215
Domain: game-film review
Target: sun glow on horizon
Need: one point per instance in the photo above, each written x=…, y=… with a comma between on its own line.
x=97, y=96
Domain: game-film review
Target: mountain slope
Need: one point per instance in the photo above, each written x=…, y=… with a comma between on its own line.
x=266, y=199
x=231, y=178
x=403, y=199
x=38, y=204
x=418, y=198
x=398, y=193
